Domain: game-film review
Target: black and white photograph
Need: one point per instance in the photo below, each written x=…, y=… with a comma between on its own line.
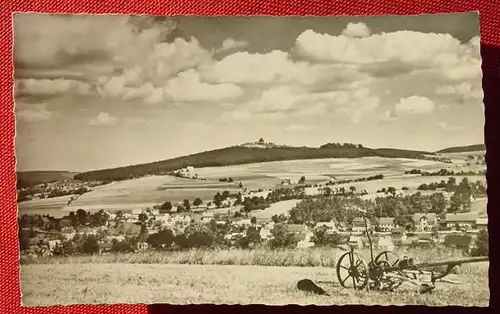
x=271, y=160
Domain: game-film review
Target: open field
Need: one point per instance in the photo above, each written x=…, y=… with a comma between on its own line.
x=51, y=206
x=45, y=284
x=318, y=170
x=151, y=190
x=275, y=209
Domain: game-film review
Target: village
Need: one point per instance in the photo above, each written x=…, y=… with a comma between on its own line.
x=229, y=217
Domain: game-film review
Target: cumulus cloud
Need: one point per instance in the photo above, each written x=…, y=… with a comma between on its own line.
x=278, y=102
x=356, y=30
x=49, y=87
x=277, y=67
x=188, y=87
x=36, y=114
x=103, y=119
x=50, y=40
x=410, y=50
x=414, y=105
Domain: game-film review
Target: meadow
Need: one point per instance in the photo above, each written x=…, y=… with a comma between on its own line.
x=152, y=190
x=209, y=276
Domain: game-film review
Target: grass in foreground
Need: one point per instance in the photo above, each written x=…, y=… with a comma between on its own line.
x=308, y=257
x=223, y=284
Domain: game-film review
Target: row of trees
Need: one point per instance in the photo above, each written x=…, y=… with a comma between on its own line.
x=445, y=172
x=50, y=223
x=343, y=209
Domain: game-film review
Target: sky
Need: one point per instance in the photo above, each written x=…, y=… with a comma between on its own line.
x=100, y=91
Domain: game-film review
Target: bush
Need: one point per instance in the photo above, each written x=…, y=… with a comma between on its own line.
x=324, y=238
x=481, y=244
x=195, y=236
x=282, y=238
x=65, y=248
x=90, y=245
x=162, y=239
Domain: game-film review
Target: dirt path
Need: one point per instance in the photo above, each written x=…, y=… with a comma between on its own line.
x=221, y=284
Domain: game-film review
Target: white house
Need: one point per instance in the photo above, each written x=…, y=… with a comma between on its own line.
x=425, y=222
x=464, y=220
x=386, y=223
x=358, y=224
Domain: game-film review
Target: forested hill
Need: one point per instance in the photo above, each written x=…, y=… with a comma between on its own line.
x=237, y=155
x=462, y=149
x=29, y=178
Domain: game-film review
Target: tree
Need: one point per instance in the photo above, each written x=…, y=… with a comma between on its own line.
x=323, y=236
x=391, y=190
x=481, y=244
x=73, y=219
x=24, y=242
x=282, y=238
x=90, y=245
x=253, y=220
x=166, y=207
x=197, y=202
x=143, y=217
x=261, y=141
x=225, y=194
x=162, y=239
x=302, y=180
x=187, y=205
x=218, y=199
x=82, y=217
x=143, y=234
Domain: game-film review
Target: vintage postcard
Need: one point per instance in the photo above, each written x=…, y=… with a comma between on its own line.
x=250, y=159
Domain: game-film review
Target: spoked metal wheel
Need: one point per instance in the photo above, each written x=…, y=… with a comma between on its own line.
x=388, y=259
x=352, y=271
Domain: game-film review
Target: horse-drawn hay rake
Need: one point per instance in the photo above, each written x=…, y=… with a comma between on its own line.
x=387, y=271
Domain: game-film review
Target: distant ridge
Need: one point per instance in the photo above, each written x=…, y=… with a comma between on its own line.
x=29, y=178
x=247, y=153
x=461, y=149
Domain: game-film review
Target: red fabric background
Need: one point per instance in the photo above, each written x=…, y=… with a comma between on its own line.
x=10, y=298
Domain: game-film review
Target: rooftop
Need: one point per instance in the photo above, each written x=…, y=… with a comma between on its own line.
x=461, y=217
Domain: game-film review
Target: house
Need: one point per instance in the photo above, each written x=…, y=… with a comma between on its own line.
x=482, y=223
x=386, y=223
x=190, y=169
x=462, y=220
x=425, y=222
x=330, y=225
x=207, y=217
x=358, y=224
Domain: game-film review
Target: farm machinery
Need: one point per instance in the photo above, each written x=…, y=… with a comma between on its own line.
x=387, y=271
